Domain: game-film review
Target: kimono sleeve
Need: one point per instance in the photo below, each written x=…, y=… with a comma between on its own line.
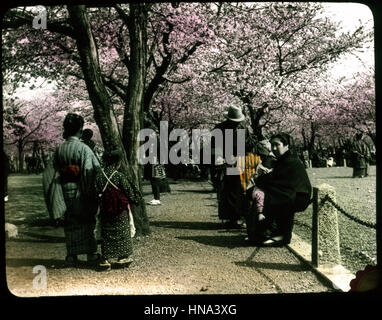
x=128, y=190
x=90, y=167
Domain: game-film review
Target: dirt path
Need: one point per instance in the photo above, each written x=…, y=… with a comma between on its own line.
x=188, y=252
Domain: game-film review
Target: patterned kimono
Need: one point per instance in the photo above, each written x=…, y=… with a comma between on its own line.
x=78, y=166
x=247, y=167
x=115, y=225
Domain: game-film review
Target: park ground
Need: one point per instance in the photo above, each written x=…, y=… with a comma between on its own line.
x=188, y=251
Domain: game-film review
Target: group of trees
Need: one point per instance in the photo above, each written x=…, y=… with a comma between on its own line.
x=137, y=64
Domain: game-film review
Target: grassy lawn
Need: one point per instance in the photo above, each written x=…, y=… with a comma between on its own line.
x=26, y=207
x=26, y=204
x=358, y=198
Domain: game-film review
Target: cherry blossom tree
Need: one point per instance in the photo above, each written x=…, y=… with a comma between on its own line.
x=32, y=122
x=265, y=55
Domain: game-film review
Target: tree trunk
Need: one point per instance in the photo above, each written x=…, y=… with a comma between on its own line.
x=133, y=117
x=255, y=117
x=43, y=156
x=304, y=138
x=102, y=105
x=20, y=149
x=312, y=137
x=98, y=94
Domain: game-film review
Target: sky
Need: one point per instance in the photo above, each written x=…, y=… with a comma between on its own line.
x=351, y=15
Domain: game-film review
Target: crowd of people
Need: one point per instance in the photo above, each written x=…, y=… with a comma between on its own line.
x=94, y=197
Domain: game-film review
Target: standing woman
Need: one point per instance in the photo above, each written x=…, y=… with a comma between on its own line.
x=77, y=166
x=117, y=225
x=286, y=189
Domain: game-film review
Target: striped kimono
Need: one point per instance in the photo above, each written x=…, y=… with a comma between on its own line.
x=78, y=166
x=247, y=167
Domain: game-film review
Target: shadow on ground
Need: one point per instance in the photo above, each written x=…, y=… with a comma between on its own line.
x=187, y=225
x=231, y=242
x=272, y=265
x=344, y=177
x=34, y=222
x=38, y=238
x=197, y=191
x=47, y=263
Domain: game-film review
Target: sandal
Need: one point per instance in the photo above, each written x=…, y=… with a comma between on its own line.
x=277, y=241
x=104, y=265
x=124, y=261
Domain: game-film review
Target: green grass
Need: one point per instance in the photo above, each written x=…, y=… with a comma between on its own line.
x=26, y=203
x=357, y=197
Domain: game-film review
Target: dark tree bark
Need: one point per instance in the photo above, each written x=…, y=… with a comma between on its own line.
x=102, y=106
x=92, y=75
x=133, y=117
x=312, y=137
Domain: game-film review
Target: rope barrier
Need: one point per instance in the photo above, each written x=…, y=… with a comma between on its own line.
x=355, y=219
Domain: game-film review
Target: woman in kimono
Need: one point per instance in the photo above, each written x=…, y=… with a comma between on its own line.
x=285, y=191
x=77, y=166
x=117, y=224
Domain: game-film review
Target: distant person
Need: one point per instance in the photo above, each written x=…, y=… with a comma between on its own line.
x=117, y=223
x=77, y=166
x=360, y=156
x=305, y=156
x=330, y=162
x=156, y=175
x=286, y=189
x=87, y=135
x=6, y=174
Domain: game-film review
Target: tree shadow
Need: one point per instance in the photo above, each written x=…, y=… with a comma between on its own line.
x=28, y=189
x=49, y=264
x=33, y=222
x=198, y=191
x=187, y=225
x=230, y=242
x=347, y=177
x=273, y=265
x=39, y=238
x=336, y=177
x=270, y=265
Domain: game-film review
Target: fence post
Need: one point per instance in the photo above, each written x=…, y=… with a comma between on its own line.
x=325, y=235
